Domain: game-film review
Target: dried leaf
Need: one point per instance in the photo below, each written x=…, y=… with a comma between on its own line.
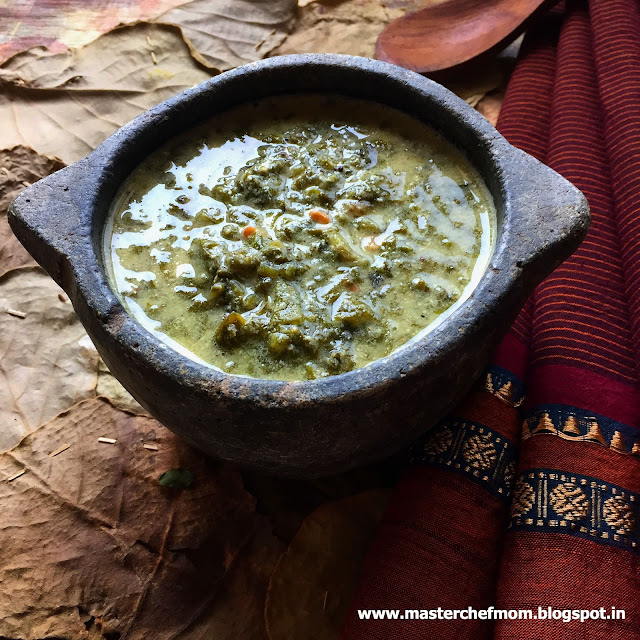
x=350, y=26
x=226, y=33
x=238, y=610
x=490, y=106
x=344, y=26
x=66, y=104
x=102, y=542
x=311, y=588
x=485, y=76
x=18, y=167
x=221, y=33
x=69, y=23
x=48, y=362
x=287, y=502
x=479, y=80
x=110, y=388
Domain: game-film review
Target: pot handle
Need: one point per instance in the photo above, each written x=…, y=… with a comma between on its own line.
x=552, y=217
x=48, y=219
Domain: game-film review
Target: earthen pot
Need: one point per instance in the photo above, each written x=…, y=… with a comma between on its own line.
x=325, y=426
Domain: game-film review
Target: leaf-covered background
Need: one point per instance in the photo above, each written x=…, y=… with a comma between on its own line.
x=91, y=544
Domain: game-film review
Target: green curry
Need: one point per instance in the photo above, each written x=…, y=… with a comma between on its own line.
x=299, y=237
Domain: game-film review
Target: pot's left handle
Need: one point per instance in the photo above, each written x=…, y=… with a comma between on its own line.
x=51, y=218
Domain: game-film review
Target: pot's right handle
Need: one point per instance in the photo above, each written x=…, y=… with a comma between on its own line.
x=552, y=217
x=52, y=219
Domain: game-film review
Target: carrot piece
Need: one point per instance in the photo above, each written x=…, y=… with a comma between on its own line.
x=319, y=216
x=249, y=231
x=370, y=244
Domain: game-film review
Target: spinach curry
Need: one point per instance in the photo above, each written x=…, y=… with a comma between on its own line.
x=299, y=237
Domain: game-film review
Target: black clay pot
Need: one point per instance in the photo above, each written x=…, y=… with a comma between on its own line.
x=322, y=426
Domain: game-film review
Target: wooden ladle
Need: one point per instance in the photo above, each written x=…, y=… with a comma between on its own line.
x=446, y=35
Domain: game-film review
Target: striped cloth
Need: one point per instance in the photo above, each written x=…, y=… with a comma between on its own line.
x=524, y=501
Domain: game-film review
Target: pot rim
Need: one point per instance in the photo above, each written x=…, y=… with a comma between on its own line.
x=509, y=173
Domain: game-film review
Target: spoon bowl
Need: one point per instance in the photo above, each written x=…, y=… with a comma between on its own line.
x=448, y=34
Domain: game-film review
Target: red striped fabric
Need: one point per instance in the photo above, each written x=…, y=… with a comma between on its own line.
x=581, y=356
x=616, y=38
x=581, y=313
x=521, y=503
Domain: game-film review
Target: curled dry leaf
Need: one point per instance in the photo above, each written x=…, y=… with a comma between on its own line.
x=19, y=167
x=69, y=23
x=311, y=588
x=48, y=362
x=226, y=33
x=104, y=547
x=66, y=104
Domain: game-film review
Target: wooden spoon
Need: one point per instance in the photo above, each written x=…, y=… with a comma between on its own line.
x=446, y=35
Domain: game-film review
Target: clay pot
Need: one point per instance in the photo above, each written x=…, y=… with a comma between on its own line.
x=324, y=426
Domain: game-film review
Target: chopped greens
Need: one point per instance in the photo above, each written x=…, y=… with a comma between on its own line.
x=299, y=237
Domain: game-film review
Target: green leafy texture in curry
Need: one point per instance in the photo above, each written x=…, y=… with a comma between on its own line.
x=299, y=237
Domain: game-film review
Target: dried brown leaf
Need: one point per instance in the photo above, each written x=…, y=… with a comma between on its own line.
x=226, y=33
x=490, y=106
x=480, y=80
x=237, y=613
x=311, y=588
x=102, y=542
x=287, y=502
x=344, y=26
x=69, y=23
x=47, y=362
x=485, y=76
x=350, y=27
x=66, y=104
x=18, y=167
x=110, y=388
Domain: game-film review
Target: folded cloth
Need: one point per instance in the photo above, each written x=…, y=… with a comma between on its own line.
x=526, y=503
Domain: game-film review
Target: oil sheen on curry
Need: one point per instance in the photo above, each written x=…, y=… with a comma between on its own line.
x=299, y=237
